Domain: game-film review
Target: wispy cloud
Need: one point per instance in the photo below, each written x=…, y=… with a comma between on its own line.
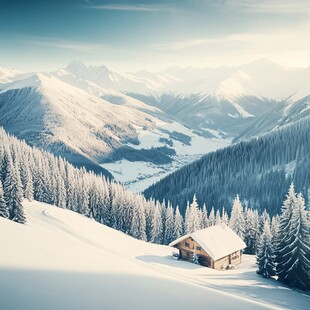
x=133, y=7
x=67, y=45
x=192, y=43
x=267, y=6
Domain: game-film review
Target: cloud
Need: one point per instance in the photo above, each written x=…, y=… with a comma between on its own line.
x=132, y=7
x=266, y=6
x=67, y=45
x=288, y=46
x=192, y=43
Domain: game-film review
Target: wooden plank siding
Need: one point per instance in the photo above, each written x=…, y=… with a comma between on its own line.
x=188, y=247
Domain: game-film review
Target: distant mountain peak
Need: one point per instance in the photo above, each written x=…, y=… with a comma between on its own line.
x=77, y=66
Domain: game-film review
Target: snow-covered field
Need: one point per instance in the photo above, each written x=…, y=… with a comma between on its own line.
x=62, y=260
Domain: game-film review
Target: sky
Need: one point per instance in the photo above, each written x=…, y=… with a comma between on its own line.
x=141, y=34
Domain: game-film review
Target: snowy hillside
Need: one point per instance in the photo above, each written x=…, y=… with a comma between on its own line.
x=284, y=113
x=62, y=260
x=67, y=120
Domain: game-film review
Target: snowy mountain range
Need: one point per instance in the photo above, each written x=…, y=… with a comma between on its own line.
x=140, y=126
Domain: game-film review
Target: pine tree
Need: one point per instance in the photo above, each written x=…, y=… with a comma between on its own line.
x=251, y=231
x=218, y=219
x=14, y=194
x=169, y=225
x=265, y=257
x=274, y=228
x=204, y=217
x=236, y=222
x=28, y=191
x=178, y=224
x=285, y=238
x=225, y=218
x=157, y=225
x=138, y=225
x=212, y=217
x=293, y=242
x=4, y=211
x=301, y=229
x=193, y=218
x=262, y=220
x=187, y=219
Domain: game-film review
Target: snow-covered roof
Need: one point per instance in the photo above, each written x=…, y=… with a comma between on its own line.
x=218, y=241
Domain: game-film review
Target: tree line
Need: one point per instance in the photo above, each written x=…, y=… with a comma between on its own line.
x=260, y=169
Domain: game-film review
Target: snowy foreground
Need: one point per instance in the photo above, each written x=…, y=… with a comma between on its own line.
x=62, y=260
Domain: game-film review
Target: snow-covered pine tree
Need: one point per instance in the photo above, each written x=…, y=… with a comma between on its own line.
x=157, y=225
x=138, y=225
x=193, y=218
x=187, y=218
x=178, y=224
x=262, y=220
x=225, y=219
x=251, y=231
x=265, y=257
x=163, y=217
x=169, y=225
x=149, y=209
x=236, y=222
x=274, y=228
x=61, y=193
x=212, y=217
x=4, y=211
x=28, y=190
x=204, y=217
x=83, y=197
x=218, y=219
x=301, y=229
x=13, y=194
x=285, y=238
x=293, y=243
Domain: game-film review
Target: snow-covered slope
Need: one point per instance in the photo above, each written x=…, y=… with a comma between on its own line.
x=227, y=117
x=282, y=114
x=55, y=115
x=62, y=260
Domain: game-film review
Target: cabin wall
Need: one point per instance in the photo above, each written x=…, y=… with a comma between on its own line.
x=222, y=263
x=188, y=247
x=231, y=259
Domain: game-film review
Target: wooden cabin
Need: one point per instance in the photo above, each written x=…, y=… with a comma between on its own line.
x=217, y=247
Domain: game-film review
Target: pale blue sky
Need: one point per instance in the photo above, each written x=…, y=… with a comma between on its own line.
x=131, y=35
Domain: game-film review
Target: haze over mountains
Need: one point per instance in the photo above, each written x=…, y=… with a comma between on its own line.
x=103, y=119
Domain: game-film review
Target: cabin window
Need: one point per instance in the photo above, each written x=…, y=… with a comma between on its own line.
x=235, y=255
x=187, y=244
x=198, y=248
